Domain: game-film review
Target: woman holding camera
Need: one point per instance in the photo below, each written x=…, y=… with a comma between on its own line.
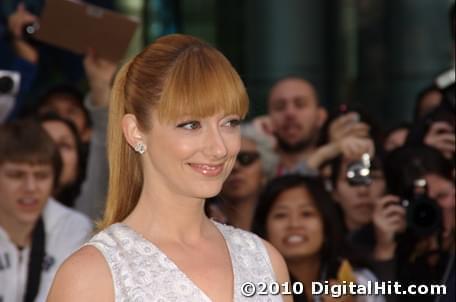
x=409, y=248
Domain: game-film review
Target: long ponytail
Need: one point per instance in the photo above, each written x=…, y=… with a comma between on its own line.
x=176, y=75
x=125, y=174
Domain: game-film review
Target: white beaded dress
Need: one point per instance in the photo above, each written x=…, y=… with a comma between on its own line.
x=142, y=272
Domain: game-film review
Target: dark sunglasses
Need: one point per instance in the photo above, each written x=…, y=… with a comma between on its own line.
x=246, y=158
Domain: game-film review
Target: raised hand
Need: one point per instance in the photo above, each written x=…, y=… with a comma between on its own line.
x=388, y=219
x=16, y=23
x=100, y=73
x=442, y=137
x=347, y=125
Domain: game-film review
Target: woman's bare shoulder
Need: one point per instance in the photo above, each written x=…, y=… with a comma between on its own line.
x=280, y=267
x=84, y=276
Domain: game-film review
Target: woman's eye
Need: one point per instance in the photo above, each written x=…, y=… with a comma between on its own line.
x=190, y=125
x=307, y=214
x=279, y=215
x=233, y=123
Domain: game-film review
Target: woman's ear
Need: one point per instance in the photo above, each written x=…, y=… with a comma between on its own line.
x=131, y=130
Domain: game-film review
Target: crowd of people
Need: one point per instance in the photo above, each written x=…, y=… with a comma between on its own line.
x=302, y=193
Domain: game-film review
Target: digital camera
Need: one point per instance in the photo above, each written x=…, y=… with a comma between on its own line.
x=359, y=172
x=423, y=214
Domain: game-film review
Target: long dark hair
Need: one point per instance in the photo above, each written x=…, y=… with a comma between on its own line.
x=333, y=238
x=408, y=163
x=67, y=194
x=403, y=166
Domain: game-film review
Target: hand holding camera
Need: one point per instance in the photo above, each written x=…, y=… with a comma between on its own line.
x=352, y=137
x=350, y=147
x=389, y=220
x=417, y=213
x=19, y=20
x=348, y=124
x=21, y=25
x=353, y=147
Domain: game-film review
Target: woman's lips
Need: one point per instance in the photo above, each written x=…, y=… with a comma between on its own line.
x=207, y=170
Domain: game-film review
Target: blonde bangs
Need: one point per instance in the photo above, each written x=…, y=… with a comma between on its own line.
x=202, y=83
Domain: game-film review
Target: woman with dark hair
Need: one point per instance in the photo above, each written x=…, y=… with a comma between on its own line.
x=356, y=200
x=297, y=216
x=65, y=135
x=353, y=192
x=407, y=248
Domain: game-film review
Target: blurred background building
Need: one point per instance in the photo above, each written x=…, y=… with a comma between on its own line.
x=378, y=53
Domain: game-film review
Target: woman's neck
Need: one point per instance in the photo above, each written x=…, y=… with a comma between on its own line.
x=306, y=270
x=164, y=217
x=352, y=226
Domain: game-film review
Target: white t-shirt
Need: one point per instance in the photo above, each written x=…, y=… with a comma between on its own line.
x=65, y=231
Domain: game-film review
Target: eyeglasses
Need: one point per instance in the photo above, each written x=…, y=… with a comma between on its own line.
x=246, y=158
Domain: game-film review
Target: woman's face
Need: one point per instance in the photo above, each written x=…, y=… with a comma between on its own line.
x=246, y=178
x=190, y=157
x=66, y=143
x=357, y=202
x=294, y=225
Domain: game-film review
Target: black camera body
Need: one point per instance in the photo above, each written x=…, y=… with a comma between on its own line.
x=423, y=214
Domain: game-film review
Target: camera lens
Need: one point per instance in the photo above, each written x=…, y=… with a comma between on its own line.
x=424, y=215
x=29, y=30
x=6, y=84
